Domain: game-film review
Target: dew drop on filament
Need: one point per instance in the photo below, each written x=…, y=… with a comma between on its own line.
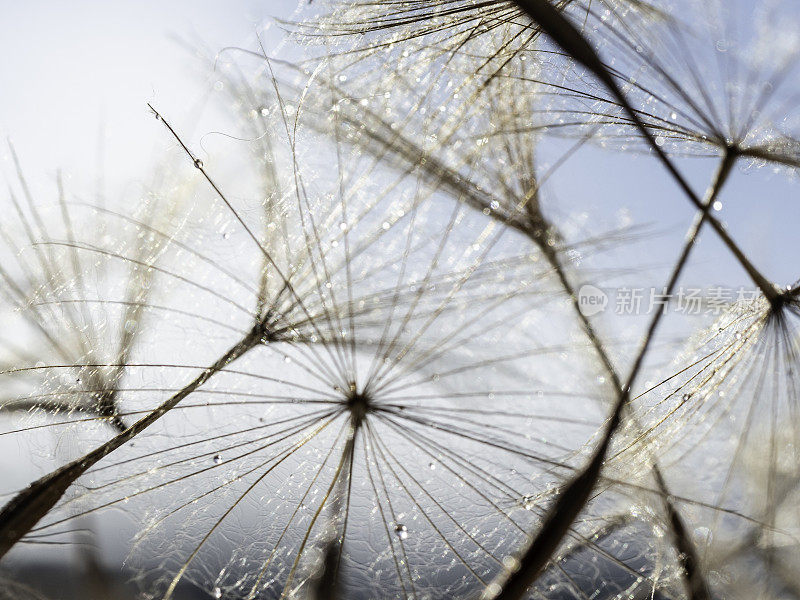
x=703, y=534
x=401, y=531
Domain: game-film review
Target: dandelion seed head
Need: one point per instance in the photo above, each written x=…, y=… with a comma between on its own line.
x=380, y=304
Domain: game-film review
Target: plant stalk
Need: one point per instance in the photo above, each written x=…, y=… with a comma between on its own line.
x=28, y=507
x=575, y=495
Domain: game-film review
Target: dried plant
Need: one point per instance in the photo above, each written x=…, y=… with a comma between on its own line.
x=357, y=362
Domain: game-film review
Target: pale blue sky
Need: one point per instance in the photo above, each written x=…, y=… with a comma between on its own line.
x=70, y=68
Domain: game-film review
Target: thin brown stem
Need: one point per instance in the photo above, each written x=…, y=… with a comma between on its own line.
x=565, y=35
x=28, y=507
x=574, y=496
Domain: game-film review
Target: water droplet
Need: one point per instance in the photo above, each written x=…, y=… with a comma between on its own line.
x=198, y=163
x=130, y=325
x=703, y=534
x=717, y=205
x=528, y=503
x=401, y=531
x=226, y=235
x=431, y=466
x=216, y=592
x=217, y=459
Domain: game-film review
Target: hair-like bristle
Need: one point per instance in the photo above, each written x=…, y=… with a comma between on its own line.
x=362, y=344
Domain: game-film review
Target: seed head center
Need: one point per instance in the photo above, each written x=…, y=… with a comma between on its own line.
x=359, y=405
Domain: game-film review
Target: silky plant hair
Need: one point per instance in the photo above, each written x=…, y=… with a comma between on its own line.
x=341, y=351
